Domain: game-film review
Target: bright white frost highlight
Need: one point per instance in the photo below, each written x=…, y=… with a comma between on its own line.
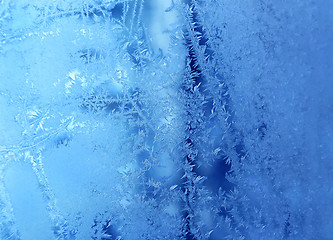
x=160, y=23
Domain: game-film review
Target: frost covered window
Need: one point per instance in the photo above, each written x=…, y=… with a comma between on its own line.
x=166, y=119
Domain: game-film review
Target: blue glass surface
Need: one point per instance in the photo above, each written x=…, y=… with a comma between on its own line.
x=166, y=119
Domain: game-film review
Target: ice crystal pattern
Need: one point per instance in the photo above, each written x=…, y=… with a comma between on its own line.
x=166, y=119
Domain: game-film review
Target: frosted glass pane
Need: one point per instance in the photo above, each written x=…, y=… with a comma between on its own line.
x=166, y=119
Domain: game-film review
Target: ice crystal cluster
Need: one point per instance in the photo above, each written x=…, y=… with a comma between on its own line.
x=166, y=119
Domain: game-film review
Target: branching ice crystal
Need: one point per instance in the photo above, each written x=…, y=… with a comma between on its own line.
x=166, y=119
